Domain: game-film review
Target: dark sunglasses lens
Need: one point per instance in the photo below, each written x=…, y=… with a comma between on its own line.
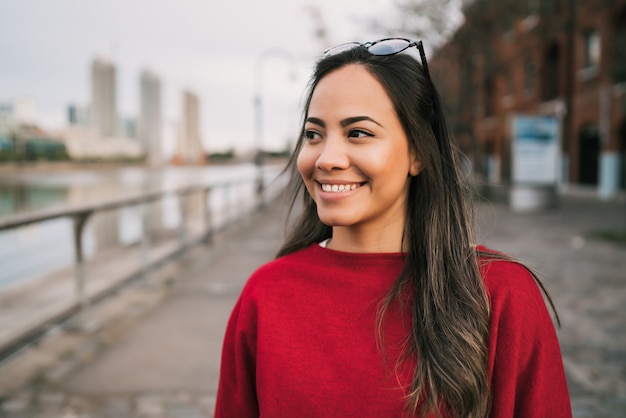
x=389, y=47
x=341, y=48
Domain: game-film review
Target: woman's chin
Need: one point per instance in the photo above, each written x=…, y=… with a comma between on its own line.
x=335, y=220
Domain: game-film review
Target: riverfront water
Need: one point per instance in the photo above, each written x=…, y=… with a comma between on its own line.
x=31, y=251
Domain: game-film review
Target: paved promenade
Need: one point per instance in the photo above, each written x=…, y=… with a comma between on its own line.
x=156, y=352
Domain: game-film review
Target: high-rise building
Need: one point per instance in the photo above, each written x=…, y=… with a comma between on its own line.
x=20, y=110
x=25, y=110
x=149, y=125
x=189, y=148
x=78, y=115
x=103, y=97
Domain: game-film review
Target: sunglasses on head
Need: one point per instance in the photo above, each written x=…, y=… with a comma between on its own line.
x=387, y=46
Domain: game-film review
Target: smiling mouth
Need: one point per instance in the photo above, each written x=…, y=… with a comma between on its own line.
x=338, y=188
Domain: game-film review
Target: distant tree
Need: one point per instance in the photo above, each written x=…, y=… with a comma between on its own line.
x=320, y=28
x=432, y=21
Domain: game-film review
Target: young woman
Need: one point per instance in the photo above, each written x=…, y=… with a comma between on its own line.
x=379, y=303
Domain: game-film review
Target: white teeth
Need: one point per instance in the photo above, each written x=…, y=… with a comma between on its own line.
x=338, y=187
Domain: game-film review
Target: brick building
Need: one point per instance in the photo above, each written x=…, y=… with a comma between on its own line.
x=561, y=58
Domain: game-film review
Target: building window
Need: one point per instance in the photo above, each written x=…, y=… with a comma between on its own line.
x=479, y=110
x=530, y=75
x=588, y=154
x=591, y=52
x=619, y=39
x=591, y=55
x=509, y=84
x=557, y=7
x=550, y=77
x=489, y=96
x=508, y=98
x=508, y=26
x=532, y=17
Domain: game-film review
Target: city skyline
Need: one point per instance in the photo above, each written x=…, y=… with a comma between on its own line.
x=196, y=46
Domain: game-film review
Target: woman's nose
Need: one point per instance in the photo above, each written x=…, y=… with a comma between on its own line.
x=333, y=155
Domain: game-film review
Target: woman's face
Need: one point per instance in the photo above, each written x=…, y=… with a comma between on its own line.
x=355, y=159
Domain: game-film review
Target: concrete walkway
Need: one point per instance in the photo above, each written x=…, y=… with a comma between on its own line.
x=157, y=351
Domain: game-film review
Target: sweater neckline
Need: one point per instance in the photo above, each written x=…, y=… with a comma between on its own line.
x=321, y=247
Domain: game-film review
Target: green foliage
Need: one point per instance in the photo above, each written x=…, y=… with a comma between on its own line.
x=617, y=236
x=222, y=156
x=35, y=149
x=45, y=151
x=277, y=154
x=7, y=155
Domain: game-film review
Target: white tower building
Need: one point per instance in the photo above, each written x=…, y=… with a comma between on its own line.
x=189, y=148
x=104, y=97
x=149, y=129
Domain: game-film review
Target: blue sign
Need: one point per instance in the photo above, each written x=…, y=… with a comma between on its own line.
x=535, y=149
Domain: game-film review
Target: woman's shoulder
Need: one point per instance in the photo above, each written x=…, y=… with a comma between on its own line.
x=302, y=257
x=504, y=275
x=285, y=267
x=511, y=285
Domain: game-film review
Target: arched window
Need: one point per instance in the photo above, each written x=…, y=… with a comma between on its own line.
x=591, y=51
x=550, y=80
x=588, y=154
x=530, y=73
x=621, y=137
x=619, y=48
x=489, y=96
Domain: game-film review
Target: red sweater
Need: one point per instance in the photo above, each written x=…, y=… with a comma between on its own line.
x=302, y=342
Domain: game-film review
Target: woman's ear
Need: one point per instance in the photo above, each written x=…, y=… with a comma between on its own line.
x=415, y=166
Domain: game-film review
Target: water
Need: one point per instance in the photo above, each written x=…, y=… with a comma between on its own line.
x=29, y=252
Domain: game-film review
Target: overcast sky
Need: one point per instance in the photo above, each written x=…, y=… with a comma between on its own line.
x=210, y=47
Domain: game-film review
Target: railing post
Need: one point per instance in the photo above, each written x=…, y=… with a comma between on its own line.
x=227, y=214
x=260, y=188
x=82, y=299
x=182, y=231
x=145, y=240
x=208, y=216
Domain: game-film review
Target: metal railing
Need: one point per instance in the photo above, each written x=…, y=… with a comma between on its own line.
x=80, y=215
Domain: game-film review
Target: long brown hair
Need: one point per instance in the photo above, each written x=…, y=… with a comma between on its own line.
x=447, y=297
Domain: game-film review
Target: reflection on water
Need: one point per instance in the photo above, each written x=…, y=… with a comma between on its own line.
x=36, y=249
x=16, y=198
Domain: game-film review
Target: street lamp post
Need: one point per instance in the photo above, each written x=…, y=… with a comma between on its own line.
x=258, y=111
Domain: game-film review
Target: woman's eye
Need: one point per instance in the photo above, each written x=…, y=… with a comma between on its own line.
x=311, y=135
x=358, y=133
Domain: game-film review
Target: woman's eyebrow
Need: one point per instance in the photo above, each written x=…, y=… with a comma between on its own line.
x=345, y=122
x=316, y=121
x=354, y=119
